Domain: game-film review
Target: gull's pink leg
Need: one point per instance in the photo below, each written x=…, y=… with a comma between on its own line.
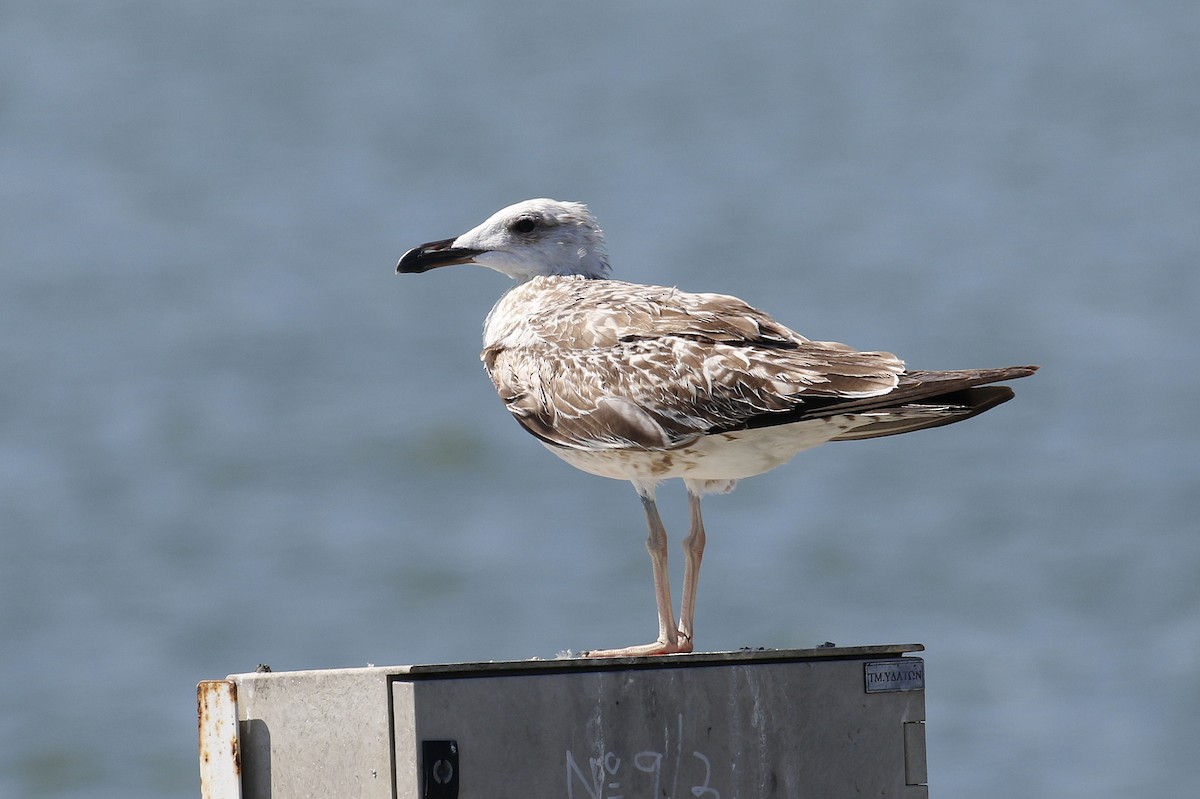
x=693, y=551
x=668, y=638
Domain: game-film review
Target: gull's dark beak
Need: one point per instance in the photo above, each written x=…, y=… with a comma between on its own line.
x=434, y=254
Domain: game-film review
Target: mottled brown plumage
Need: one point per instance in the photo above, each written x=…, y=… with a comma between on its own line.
x=621, y=365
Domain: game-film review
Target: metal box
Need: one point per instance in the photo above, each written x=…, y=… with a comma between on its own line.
x=829, y=722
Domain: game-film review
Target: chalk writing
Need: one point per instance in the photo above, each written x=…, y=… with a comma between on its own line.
x=609, y=776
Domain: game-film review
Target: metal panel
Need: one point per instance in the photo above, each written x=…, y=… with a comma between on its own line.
x=316, y=734
x=718, y=730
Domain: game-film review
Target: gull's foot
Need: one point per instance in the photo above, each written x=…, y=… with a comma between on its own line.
x=680, y=647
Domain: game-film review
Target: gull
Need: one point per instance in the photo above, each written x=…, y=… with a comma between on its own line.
x=646, y=383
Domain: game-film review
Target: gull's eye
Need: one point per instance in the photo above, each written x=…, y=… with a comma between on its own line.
x=523, y=224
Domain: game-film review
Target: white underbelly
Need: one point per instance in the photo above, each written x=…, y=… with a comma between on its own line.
x=722, y=456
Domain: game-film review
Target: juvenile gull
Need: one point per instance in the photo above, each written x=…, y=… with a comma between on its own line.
x=645, y=383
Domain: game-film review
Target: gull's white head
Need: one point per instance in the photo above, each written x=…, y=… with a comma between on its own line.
x=529, y=239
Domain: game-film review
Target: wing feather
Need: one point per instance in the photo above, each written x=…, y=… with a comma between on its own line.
x=602, y=364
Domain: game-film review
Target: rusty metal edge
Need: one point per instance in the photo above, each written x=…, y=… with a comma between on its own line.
x=220, y=747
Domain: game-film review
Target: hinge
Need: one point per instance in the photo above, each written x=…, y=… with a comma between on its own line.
x=915, y=771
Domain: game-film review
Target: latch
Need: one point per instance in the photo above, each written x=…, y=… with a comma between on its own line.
x=439, y=769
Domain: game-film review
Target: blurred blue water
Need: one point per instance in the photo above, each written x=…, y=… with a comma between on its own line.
x=230, y=435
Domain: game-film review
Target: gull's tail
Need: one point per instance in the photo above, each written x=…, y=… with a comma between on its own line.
x=927, y=399
x=919, y=400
